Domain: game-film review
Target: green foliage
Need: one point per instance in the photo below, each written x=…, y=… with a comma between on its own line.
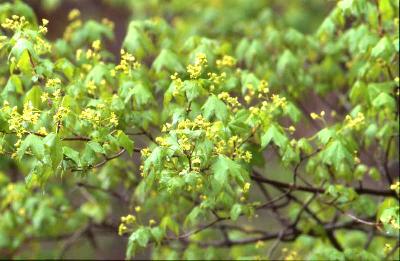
x=205, y=120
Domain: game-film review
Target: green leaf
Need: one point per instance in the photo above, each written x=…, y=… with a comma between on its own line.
x=168, y=222
x=293, y=112
x=192, y=89
x=54, y=145
x=287, y=63
x=336, y=153
x=96, y=147
x=24, y=62
x=158, y=234
x=72, y=154
x=384, y=49
x=36, y=145
x=169, y=60
x=236, y=210
x=224, y=168
x=273, y=134
x=384, y=99
x=141, y=94
x=325, y=135
x=33, y=96
x=214, y=106
x=66, y=67
x=125, y=142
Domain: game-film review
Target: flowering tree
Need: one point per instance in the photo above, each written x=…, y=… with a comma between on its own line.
x=217, y=132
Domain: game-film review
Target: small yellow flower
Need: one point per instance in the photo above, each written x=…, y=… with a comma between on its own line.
x=44, y=97
x=42, y=131
x=96, y=45
x=226, y=61
x=246, y=187
x=314, y=116
x=122, y=229
x=75, y=13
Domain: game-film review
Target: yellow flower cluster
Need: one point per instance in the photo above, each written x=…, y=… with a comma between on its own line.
x=91, y=115
x=113, y=119
x=76, y=23
x=96, y=45
x=29, y=114
x=198, y=123
x=278, y=101
x=42, y=131
x=195, y=69
x=97, y=116
x=61, y=113
x=41, y=46
x=145, y=152
x=231, y=101
x=356, y=122
x=73, y=14
x=262, y=90
x=232, y=148
x=14, y=194
x=178, y=84
x=43, y=28
x=108, y=23
x=91, y=87
x=246, y=187
x=17, y=122
x=125, y=222
x=162, y=141
x=396, y=187
x=290, y=255
x=216, y=79
x=127, y=63
x=226, y=61
x=55, y=82
x=315, y=116
x=185, y=144
x=15, y=23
